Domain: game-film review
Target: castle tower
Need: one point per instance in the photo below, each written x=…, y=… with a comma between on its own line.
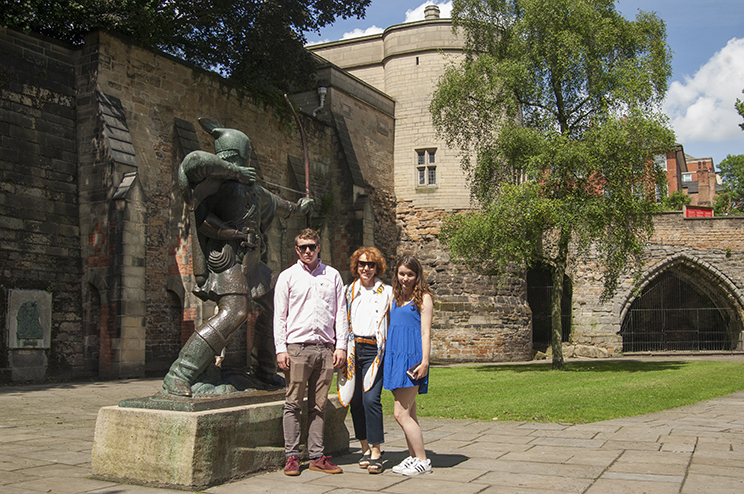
x=405, y=62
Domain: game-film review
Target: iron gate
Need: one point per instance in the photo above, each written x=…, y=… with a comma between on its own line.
x=672, y=315
x=649, y=330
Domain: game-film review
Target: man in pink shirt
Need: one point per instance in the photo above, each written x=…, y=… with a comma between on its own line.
x=310, y=333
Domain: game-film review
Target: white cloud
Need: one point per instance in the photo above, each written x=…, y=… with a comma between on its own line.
x=417, y=14
x=702, y=107
x=310, y=43
x=357, y=33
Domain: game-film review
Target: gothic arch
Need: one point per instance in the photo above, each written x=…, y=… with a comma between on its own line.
x=707, y=277
x=98, y=353
x=684, y=303
x=99, y=282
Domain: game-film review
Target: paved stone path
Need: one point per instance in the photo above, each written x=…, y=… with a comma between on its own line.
x=46, y=436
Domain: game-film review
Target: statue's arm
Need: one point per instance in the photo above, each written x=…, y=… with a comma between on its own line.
x=200, y=175
x=214, y=227
x=288, y=209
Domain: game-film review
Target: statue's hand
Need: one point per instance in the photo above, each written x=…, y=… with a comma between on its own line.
x=246, y=239
x=248, y=175
x=306, y=204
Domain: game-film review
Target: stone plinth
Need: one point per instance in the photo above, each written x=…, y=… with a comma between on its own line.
x=194, y=450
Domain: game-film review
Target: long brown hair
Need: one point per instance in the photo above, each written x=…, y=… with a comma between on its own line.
x=420, y=288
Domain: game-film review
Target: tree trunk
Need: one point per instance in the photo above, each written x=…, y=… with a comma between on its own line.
x=556, y=323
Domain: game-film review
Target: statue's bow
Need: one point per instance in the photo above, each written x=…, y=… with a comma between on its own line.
x=304, y=147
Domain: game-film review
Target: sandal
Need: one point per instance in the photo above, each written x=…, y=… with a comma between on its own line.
x=364, y=461
x=375, y=466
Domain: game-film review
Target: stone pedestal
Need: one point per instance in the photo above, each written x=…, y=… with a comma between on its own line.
x=194, y=450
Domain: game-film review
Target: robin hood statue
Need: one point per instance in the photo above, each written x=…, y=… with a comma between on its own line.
x=231, y=214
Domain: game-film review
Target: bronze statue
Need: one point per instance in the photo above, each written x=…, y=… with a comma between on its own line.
x=231, y=214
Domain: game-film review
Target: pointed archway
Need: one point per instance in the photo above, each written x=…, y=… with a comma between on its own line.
x=684, y=304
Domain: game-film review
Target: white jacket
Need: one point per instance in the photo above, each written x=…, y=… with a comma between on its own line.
x=383, y=295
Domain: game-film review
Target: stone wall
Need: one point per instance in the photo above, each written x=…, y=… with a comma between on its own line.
x=91, y=141
x=711, y=249
x=39, y=225
x=476, y=318
x=480, y=319
x=365, y=129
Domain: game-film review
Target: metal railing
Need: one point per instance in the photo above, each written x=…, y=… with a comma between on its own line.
x=696, y=329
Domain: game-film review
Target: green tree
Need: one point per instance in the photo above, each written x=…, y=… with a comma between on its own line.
x=731, y=200
x=675, y=201
x=739, y=105
x=257, y=43
x=555, y=110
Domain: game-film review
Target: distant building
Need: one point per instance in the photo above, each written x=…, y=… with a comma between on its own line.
x=700, y=181
x=695, y=176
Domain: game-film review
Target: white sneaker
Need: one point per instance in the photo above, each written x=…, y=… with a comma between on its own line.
x=417, y=467
x=403, y=464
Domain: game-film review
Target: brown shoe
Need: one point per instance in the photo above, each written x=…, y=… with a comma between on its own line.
x=293, y=466
x=323, y=464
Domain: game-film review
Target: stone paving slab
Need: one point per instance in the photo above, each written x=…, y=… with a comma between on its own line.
x=46, y=435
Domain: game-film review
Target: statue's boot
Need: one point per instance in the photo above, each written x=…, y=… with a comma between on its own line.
x=196, y=355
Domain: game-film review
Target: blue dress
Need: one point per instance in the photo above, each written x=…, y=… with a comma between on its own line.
x=403, y=349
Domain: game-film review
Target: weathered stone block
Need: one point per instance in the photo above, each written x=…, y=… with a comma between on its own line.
x=27, y=365
x=194, y=450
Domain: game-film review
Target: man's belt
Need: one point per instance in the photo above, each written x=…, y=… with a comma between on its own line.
x=362, y=339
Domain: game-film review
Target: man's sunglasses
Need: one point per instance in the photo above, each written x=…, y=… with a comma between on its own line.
x=367, y=264
x=310, y=247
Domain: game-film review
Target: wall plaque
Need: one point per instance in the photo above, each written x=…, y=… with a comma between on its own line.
x=29, y=319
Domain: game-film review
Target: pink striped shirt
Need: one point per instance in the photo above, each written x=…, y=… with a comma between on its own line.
x=309, y=307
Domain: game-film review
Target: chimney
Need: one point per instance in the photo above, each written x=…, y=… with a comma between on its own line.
x=431, y=12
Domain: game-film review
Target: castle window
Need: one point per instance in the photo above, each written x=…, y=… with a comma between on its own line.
x=426, y=167
x=687, y=177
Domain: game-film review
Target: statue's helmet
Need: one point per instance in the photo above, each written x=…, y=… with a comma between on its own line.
x=231, y=142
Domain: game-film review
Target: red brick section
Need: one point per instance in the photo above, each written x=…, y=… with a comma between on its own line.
x=106, y=355
x=340, y=249
x=99, y=240
x=188, y=324
x=179, y=258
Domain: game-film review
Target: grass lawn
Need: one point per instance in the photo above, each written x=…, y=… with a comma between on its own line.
x=585, y=392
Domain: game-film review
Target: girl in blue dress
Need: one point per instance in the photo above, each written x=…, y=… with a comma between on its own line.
x=408, y=348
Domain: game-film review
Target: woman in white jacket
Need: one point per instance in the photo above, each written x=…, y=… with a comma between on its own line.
x=367, y=308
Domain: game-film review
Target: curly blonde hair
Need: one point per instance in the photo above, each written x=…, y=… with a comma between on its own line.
x=373, y=254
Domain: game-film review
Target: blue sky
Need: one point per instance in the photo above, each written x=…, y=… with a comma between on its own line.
x=706, y=36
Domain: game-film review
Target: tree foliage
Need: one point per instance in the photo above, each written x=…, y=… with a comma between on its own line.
x=675, y=201
x=257, y=43
x=739, y=105
x=555, y=110
x=731, y=200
